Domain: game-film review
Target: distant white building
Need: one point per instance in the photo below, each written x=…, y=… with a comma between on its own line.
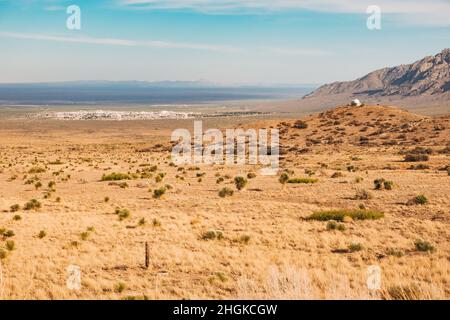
x=356, y=103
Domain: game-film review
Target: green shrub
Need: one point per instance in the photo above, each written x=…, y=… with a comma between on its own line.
x=212, y=235
x=10, y=245
x=122, y=213
x=419, y=200
x=33, y=204
x=36, y=170
x=303, y=180
x=332, y=225
x=116, y=177
x=416, y=157
x=284, y=177
x=381, y=184
x=424, y=246
x=354, y=247
x=240, y=182
x=14, y=208
x=226, y=192
x=158, y=193
x=338, y=215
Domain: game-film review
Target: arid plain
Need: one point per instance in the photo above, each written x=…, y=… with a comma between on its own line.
x=386, y=168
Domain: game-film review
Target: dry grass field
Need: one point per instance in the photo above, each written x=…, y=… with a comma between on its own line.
x=259, y=242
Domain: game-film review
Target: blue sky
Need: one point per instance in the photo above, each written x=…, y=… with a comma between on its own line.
x=227, y=41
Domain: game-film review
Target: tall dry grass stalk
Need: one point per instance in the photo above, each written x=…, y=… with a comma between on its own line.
x=289, y=283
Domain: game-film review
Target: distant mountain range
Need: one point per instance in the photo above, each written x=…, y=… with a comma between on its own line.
x=422, y=87
x=429, y=76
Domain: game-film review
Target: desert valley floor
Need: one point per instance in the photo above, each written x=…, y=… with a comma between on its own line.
x=259, y=242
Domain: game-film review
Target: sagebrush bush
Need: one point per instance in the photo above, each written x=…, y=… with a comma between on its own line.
x=284, y=178
x=33, y=204
x=226, y=192
x=338, y=215
x=424, y=246
x=240, y=182
x=303, y=180
x=212, y=235
x=416, y=157
x=419, y=200
x=158, y=193
x=116, y=176
x=381, y=184
x=363, y=194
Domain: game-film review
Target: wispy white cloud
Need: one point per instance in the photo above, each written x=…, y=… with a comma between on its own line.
x=278, y=51
x=121, y=42
x=419, y=12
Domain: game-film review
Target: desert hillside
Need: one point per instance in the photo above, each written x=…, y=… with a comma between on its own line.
x=422, y=87
x=429, y=76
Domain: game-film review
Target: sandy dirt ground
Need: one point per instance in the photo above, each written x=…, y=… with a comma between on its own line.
x=257, y=243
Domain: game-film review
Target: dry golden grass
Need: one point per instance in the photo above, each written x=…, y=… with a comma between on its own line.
x=267, y=249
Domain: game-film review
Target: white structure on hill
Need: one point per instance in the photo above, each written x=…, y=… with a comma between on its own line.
x=356, y=103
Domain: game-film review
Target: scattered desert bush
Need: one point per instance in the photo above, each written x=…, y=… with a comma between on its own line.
x=284, y=178
x=394, y=252
x=33, y=204
x=14, y=208
x=240, y=182
x=10, y=245
x=220, y=180
x=416, y=157
x=337, y=174
x=212, y=235
x=3, y=254
x=300, y=124
x=332, y=225
x=17, y=217
x=116, y=177
x=338, y=215
x=7, y=233
x=158, y=193
x=122, y=213
x=244, y=239
x=354, y=247
x=419, y=200
x=226, y=192
x=381, y=184
x=424, y=246
x=251, y=175
x=303, y=180
x=363, y=194
x=36, y=170
x=42, y=234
